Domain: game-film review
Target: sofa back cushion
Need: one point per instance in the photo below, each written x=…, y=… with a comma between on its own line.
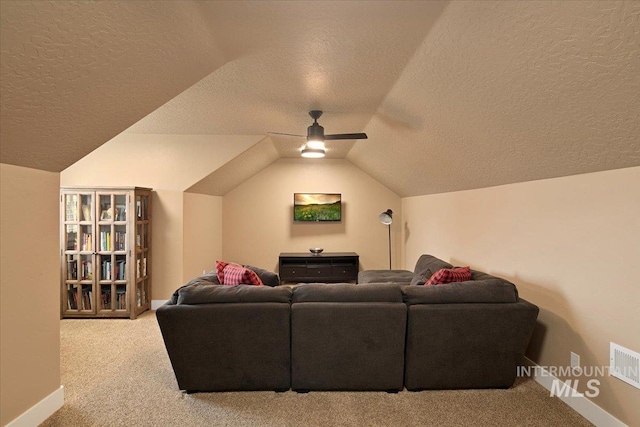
x=422, y=277
x=210, y=278
x=346, y=292
x=430, y=262
x=474, y=291
x=385, y=276
x=211, y=294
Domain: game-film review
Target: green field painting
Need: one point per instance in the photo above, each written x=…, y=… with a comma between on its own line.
x=317, y=207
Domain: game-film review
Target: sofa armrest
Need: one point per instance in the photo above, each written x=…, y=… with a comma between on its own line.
x=452, y=346
x=229, y=346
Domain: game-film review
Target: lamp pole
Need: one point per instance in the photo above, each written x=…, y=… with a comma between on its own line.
x=389, y=227
x=386, y=218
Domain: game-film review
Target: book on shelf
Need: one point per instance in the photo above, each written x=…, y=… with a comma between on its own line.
x=87, y=301
x=120, y=269
x=86, y=242
x=106, y=270
x=105, y=297
x=86, y=213
x=71, y=207
x=120, y=241
x=72, y=270
x=87, y=270
x=72, y=298
x=105, y=240
x=121, y=213
x=121, y=299
x=72, y=241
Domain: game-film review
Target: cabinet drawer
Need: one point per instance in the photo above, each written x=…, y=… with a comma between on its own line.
x=319, y=270
x=344, y=272
x=293, y=271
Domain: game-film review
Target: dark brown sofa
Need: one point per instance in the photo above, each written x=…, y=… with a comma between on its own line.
x=347, y=337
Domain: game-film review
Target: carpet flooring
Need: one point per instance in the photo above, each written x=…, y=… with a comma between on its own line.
x=117, y=373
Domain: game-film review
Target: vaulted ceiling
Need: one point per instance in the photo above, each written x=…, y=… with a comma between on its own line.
x=453, y=95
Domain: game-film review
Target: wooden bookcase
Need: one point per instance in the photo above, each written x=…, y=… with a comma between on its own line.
x=105, y=249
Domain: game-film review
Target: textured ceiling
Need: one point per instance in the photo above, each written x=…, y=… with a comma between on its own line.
x=75, y=74
x=503, y=92
x=453, y=95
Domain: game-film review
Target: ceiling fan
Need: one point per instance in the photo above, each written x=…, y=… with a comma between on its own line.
x=315, y=137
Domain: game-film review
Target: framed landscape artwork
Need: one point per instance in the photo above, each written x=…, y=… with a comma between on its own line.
x=317, y=207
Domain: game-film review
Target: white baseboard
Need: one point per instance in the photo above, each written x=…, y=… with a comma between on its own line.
x=42, y=410
x=155, y=303
x=578, y=403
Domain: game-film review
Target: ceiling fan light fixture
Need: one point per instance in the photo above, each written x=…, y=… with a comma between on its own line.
x=316, y=144
x=312, y=153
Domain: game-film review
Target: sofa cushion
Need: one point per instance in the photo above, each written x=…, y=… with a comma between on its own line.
x=347, y=292
x=210, y=278
x=432, y=263
x=208, y=294
x=475, y=291
x=385, y=276
x=422, y=277
x=449, y=275
x=267, y=277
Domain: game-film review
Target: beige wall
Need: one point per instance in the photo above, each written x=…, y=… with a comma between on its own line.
x=166, y=162
x=29, y=288
x=202, y=234
x=572, y=246
x=258, y=214
x=167, y=243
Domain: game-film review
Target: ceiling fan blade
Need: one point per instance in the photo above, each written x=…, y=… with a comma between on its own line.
x=285, y=134
x=346, y=136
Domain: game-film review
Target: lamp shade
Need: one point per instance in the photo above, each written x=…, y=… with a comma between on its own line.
x=386, y=217
x=313, y=153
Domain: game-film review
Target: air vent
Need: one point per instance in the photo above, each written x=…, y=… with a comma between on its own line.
x=624, y=364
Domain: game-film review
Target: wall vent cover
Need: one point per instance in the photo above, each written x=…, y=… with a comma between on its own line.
x=624, y=364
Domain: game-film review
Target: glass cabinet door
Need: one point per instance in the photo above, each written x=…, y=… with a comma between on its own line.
x=112, y=252
x=143, y=237
x=78, y=246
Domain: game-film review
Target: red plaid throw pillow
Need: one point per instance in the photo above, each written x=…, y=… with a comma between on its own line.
x=235, y=274
x=449, y=275
x=220, y=265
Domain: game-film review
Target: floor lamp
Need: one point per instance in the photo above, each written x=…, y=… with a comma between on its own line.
x=386, y=218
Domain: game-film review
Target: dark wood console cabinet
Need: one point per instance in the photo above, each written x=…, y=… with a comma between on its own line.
x=324, y=267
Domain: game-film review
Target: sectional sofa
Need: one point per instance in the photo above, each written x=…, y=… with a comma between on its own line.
x=369, y=336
